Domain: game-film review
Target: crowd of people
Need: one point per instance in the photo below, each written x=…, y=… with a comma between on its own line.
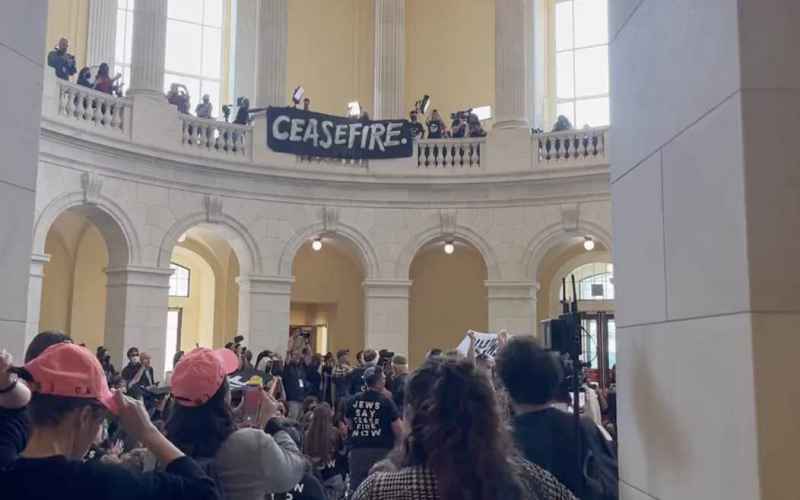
x=63, y=63
x=300, y=426
x=463, y=124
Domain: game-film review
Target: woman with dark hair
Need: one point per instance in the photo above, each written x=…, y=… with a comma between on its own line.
x=324, y=445
x=457, y=447
x=70, y=401
x=103, y=81
x=248, y=463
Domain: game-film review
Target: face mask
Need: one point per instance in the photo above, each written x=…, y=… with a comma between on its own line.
x=135, y=360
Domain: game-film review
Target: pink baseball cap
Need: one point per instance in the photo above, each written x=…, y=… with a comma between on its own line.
x=69, y=370
x=199, y=375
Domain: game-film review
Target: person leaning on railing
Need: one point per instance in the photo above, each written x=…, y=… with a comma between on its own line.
x=436, y=127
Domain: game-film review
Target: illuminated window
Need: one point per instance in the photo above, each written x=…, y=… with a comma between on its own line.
x=124, y=41
x=581, y=61
x=593, y=281
x=179, y=281
x=194, y=48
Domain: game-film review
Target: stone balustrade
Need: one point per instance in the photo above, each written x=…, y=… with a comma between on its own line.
x=571, y=147
x=94, y=108
x=216, y=137
x=449, y=153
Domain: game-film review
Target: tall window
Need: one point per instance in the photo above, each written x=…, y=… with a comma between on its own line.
x=124, y=40
x=173, y=334
x=594, y=281
x=179, y=281
x=581, y=59
x=194, y=48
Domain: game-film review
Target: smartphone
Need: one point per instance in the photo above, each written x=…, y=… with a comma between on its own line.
x=251, y=405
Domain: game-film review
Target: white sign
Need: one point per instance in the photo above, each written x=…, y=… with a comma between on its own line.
x=485, y=343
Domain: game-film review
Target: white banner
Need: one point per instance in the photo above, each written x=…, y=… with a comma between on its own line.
x=485, y=343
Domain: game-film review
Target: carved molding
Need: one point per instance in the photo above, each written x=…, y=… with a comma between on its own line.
x=92, y=184
x=570, y=217
x=330, y=219
x=213, y=207
x=447, y=221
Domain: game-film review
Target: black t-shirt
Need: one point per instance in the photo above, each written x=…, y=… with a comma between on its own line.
x=309, y=488
x=548, y=439
x=357, y=380
x=58, y=477
x=417, y=130
x=371, y=415
x=294, y=381
x=435, y=129
x=14, y=433
x=399, y=390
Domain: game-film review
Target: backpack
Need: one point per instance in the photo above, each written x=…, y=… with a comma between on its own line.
x=209, y=466
x=600, y=471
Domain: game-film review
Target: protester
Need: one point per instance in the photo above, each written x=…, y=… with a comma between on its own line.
x=400, y=366
x=341, y=375
x=313, y=363
x=85, y=77
x=457, y=446
x=306, y=103
x=562, y=124
x=61, y=60
x=204, y=108
x=324, y=446
x=368, y=358
x=417, y=130
x=295, y=383
x=374, y=423
x=458, y=128
x=436, y=128
x=103, y=82
x=178, y=96
x=68, y=407
x=545, y=435
x=247, y=462
x=475, y=127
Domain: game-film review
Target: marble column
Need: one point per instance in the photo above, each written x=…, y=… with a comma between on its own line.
x=705, y=186
x=386, y=314
x=264, y=303
x=273, y=41
x=512, y=307
x=38, y=262
x=23, y=28
x=513, y=26
x=149, y=48
x=245, y=52
x=136, y=313
x=390, y=29
x=102, y=32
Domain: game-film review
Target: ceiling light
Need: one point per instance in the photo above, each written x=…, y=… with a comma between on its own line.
x=588, y=243
x=316, y=245
x=449, y=248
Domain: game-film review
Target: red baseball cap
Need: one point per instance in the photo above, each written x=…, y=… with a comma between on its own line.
x=199, y=375
x=69, y=370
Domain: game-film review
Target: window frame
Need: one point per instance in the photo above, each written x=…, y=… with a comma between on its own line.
x=188, y=281
x=552, y=57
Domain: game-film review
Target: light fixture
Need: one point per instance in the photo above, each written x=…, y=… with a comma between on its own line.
x=353, y=109
x=588, y=243
x=182, y=238
x=449, y=248
x=316, y=245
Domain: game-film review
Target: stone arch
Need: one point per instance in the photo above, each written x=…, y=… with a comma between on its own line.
x=462, y=233
x=237, y=235
x=364, y=249
x=570, y=265
x=554, y=234
x=112, y=221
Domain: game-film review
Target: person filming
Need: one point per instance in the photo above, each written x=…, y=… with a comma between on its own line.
x=62, y=61
x=436, y=128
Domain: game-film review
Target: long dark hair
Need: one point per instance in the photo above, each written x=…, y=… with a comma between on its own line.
x=199, y=431
x=321, y=434
x=457, y=432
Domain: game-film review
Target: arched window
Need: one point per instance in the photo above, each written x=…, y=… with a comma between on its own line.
x=179, y=281
x=593, y=281
x=580, y=72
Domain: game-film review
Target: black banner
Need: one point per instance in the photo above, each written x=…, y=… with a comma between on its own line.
x=305, y=133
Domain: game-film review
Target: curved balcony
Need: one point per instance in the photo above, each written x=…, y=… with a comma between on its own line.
x=146, y=124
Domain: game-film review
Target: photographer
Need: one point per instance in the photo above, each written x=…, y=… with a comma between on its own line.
x=475, y=127
x=178, y=96
x=436, y=127
x=458, y=129
x=204, y=108
x=62, y=61
x=104, y=83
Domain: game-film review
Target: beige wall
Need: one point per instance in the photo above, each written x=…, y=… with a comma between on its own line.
x=450, y=53
x=448, y=297
x=56, y=307
x=332, y=278
x=69, y=19
x=89, y=289
x=331, y=52
x=197, y=319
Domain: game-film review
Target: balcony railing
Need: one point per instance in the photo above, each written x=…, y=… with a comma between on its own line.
x=92, y=107
x=574, y=147
x=216, y=136
x=449, y=153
